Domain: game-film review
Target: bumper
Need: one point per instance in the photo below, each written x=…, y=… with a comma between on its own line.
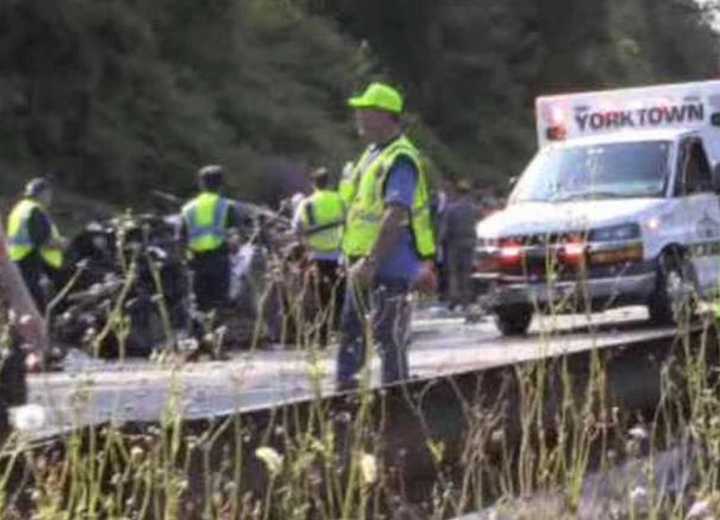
x=570, y=296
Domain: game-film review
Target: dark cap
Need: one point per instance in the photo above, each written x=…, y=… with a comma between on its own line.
x=319, y=173
x=36, y=187
x=210, y=177
x=211, y=171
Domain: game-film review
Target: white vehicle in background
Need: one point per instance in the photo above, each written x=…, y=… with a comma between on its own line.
x=618, y=207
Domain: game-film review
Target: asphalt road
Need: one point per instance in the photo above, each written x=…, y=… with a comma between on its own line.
x=91, y=391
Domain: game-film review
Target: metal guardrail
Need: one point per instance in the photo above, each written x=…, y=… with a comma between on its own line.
x=408, y=415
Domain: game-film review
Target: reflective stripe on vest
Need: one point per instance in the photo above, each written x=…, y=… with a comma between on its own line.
x=323, y=215
x=205, y=217
x=19, y=242
x=368, y=206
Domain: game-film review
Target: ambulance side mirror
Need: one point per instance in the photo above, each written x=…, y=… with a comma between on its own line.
x=716, y=178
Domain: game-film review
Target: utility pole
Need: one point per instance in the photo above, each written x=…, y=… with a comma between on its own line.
x=29, y=323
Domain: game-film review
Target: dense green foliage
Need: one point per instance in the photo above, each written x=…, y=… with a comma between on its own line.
x=125, y=96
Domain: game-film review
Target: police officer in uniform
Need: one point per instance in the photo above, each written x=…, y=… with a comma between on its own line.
x=319, y=219
x=207, y=221
x=34, y=243
x=389, y=240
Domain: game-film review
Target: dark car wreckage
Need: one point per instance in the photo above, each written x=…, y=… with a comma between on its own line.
x=131, y=290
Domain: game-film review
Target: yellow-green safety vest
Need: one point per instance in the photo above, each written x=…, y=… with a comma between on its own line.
x=205, y=218
x=323, y=216
x=366, y=211
x=352, y=173
x=19, y=242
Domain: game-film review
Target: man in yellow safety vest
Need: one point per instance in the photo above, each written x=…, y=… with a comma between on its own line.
x=389, y=239
x=207, y=221
x=34, y=243
x=319, y=220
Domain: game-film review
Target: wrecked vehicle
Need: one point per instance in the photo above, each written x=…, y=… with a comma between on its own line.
x=131, y=292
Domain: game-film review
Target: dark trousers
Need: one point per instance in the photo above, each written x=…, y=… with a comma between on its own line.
x=13, y=382
x=32, y=268
x=211, y=279
x=460, y=264
x=388, y=309
x=329, y=294
x=442, y=268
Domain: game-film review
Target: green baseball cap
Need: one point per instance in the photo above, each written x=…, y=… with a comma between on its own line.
x=378, y=96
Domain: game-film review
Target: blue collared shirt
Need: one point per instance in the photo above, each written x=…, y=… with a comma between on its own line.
x=401, y=262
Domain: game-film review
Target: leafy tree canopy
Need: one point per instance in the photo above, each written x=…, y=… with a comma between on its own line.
x=124, y=96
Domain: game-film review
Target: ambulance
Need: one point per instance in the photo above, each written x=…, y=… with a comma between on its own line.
x=618, y=207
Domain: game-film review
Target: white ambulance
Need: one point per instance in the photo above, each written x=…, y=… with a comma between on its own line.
x=618, y=207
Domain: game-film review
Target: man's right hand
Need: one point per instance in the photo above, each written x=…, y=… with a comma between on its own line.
x=427, y=281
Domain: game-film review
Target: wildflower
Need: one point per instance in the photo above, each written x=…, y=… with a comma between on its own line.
x=90, y=334
x=29, y=417
x=700, y=510
x=368, y=468
x=317, y=371
x=272, y=459
x=437, y=450
x=343, y=417
x=638, y=494
x=136, y=454
x=497, y=436
x=638, y=433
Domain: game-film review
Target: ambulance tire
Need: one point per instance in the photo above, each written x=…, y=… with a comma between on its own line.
x=513, y=320
x=671, y=301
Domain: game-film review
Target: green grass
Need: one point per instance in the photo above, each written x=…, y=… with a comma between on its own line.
x=539, y=433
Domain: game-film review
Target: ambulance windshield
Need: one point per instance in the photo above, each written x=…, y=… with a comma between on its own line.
x=601, y=171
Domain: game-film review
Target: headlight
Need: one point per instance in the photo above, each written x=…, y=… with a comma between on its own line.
x=621, y=232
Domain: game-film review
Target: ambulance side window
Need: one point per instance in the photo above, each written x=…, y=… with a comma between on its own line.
x=694, y=169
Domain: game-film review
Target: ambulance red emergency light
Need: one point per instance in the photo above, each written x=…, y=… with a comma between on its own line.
x=618, y=207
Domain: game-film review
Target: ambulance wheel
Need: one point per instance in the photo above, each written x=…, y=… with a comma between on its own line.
x=513, y=320
x=673, y=298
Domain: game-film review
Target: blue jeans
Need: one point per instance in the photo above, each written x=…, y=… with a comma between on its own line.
x=385, y=309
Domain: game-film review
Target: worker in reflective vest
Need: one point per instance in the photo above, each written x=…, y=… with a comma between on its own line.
x=319, y=220
x=389, y=240
x=34, y=243
x=207, y=221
